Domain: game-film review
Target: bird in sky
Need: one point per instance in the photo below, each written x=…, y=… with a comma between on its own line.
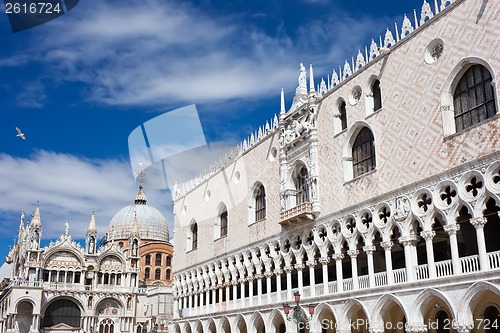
x=20, y=134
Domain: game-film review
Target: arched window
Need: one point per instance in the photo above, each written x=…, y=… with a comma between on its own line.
x=168, y=275
x=377, y=96
x=157, y=274
x=302, y=186
x=148, y=259
x=474, y=99
x=158, y=259
x=363, y=153
x=223, y=223
x=260, y=203
x=343, y=115
x=169, y=261
x=194, y=237
x=147, y=273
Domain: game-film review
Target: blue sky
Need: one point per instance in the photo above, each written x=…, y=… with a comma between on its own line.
x=77, y=86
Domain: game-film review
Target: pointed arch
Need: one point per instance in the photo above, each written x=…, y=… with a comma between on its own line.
x=384, y=305
x=240, y=324
x=472, y=298
x=257, y=322
x=358, y=151
x=324, y=316
x=423, y=299
x=451, y=109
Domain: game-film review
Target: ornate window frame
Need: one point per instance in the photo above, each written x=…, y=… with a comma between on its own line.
x=449, y=88
x=257, y=206
x=347, y=157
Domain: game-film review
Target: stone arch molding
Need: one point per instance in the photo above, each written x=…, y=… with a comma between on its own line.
x=319, y=309
x=468, y=301
x=347, y=311
x=382, y=303
x=422, y=300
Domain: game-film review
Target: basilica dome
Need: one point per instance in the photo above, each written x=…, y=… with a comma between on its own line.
x=151, y=224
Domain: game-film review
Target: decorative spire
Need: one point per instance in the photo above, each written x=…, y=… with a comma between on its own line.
x=92, y=226
x=311, y=79
x=302, y=88
x=282, y=110
x=140, y=198
x=36, y=222
x=135, y=228
x=21, y=225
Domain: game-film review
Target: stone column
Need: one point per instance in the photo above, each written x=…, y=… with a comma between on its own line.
x=312, y=279
x=409, y=242
x=478, y=223
x=277, y=274
x=259, y=288
x=190, y=301
x=195, y=303
x=242, y=292
x=452, y=229
x=288, y=270
x=369, y=257
x=228, y=293
x=428, y=235
x=176, y=308
x=214, y=293
x=338, y=265
x=324, y=266
x=299, y=268
x=250, y=290
x=200, y=306
x=268, y=286
x=235, y=294
x=354, y=268
x=388, y=261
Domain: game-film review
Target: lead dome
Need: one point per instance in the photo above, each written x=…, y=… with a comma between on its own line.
x=151, y=223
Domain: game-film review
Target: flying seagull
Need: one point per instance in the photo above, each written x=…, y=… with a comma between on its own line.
x=20, y=134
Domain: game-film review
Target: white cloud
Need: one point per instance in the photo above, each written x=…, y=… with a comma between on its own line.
x=68, y=188
x=32, y=95
x=150, y=52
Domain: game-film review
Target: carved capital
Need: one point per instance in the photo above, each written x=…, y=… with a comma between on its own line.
x=369, y=249
x=410, y=240
x=278, y=271
x=311, y=263
x=478, y=222
x=338, y=256
x=299, y=267
x=288, y=269
x=428, y=235
x=463, y=328
x=353, y=253
x=324, y=260
x=416, y=328
x=451, y=229
x=387, y=245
